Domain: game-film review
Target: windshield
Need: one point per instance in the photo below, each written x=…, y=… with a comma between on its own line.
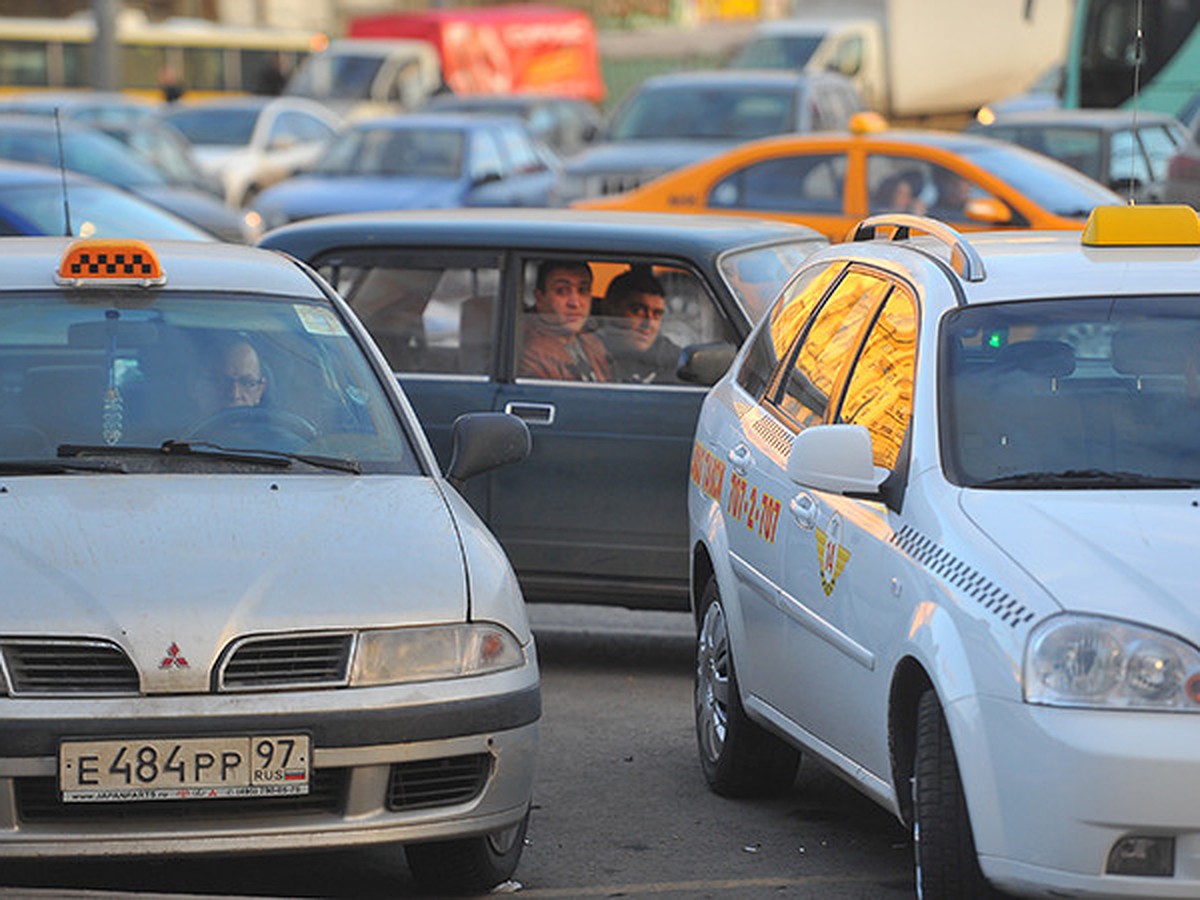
x=96, y=211
x=779, y=52
x=221, y=127
x=416, y=152
x=1095, y=393
x=181, y=377
x=336, y=76
x=705, y=113
x=1050, y=184
x=756, y=276
x=91, y=153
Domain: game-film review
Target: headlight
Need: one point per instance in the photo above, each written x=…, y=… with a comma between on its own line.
x=402, y=655
x=1075, y=660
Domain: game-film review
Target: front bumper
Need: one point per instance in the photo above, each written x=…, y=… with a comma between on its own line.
x=1052, y=790
x=398, y=764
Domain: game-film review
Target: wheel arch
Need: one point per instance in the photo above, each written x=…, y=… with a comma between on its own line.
x=909, y=682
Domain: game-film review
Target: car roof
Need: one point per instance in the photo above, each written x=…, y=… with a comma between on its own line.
x=447, y=120
x=1015, y=266
x=29, y=263
x=21, y=174
x=539, y=228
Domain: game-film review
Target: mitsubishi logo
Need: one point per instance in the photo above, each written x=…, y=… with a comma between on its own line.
x=173, y=658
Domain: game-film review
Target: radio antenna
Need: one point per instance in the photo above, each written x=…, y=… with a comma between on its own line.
x=62, y=172
x=1137, y=73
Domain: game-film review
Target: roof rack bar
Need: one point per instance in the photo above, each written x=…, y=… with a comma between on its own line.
x=964, y=258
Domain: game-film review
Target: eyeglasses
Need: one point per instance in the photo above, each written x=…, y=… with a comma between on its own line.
x=241, y=382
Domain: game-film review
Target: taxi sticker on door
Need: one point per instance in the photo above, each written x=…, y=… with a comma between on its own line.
x=757, y=509
x=708, y=471
x=831, y=554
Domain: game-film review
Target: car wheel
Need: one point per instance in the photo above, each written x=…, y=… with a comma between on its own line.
x=947, y=866
x=471, y=865
x=739, y=757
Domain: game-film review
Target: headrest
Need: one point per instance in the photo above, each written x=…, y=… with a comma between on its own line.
x=1048, y=359
x=1153, y=348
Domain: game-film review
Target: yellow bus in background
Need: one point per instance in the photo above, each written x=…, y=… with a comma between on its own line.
x=207, y=58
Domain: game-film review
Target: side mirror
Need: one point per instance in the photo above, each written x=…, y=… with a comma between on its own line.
x=987, y=209
x=705, y=363
x=484, y=441
x=837, y=459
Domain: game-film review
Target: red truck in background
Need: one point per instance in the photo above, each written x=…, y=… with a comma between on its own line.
x=515, y=48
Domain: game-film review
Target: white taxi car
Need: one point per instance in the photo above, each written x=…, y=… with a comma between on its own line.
x=944, y=512
x=243, y=609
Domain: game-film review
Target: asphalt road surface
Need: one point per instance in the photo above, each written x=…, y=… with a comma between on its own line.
x=621, y=809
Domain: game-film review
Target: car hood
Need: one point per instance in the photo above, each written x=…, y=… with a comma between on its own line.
x=643, y=156
x=201, y=209
x=1129, y=554
x=306, y=196
x=149, y=561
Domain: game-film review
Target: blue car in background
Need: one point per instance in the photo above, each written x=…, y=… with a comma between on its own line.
x=422, y=161
x=33, y=203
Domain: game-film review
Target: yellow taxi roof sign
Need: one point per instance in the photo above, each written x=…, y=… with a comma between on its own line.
x=867, y=123
x=1152, y=225
x=109, y=261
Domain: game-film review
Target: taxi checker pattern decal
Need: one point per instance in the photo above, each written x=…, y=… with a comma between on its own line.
x=755, y=509
x=970, y=581
x=831, y=554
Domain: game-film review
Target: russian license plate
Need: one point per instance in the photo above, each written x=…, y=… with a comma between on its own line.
x=183, y=768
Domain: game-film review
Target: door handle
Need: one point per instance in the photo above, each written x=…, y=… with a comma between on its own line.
x=739, y=458
x=804, y=510
x=533, y=413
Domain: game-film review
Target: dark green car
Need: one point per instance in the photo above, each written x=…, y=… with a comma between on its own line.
x=597, y=514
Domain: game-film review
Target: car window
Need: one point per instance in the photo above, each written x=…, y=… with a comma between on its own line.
x=879, y=391
x=1126, y=160
x=1047, y=387
x=802, y=183
x=805, y=390
x=297, y=127
x=427, y=316
x=907, y=184
x=248, y=372
x=757, y=275
x=1160, y=143
x=705, y=112
x=787, y=319
x=639, y=316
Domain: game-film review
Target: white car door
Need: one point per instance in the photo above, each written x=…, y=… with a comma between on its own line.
x=841, y=570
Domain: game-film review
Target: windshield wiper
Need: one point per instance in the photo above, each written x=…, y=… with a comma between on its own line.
x=58, y=467
x=1087, y=478
x=278, y=459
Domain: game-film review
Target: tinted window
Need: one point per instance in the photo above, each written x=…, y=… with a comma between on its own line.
x=787, y=319
x=879, y=392
x=805, y=393
x=714, y=112
x=1049, y=184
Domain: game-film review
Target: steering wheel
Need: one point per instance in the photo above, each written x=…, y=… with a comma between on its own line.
x=256, y=425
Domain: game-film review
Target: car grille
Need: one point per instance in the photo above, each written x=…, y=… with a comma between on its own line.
x=37, y=801
x=438, y=782
x=294, y=661
x=617, y=182
x=68, y=667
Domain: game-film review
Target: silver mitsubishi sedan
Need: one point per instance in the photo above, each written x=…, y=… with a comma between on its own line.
x=244, y=609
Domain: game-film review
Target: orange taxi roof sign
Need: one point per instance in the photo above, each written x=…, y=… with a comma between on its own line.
x=1151, y=225
x=109, y=261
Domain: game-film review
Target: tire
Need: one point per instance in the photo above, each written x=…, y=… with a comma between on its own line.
x=947, y=866
x=739, y=757
x=471, y=865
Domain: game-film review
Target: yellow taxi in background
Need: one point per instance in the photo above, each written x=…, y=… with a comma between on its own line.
x=831, y=181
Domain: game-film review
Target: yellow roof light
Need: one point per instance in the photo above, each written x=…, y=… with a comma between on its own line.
x=108, y=262
x=1153, y=225
x=867, y=123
